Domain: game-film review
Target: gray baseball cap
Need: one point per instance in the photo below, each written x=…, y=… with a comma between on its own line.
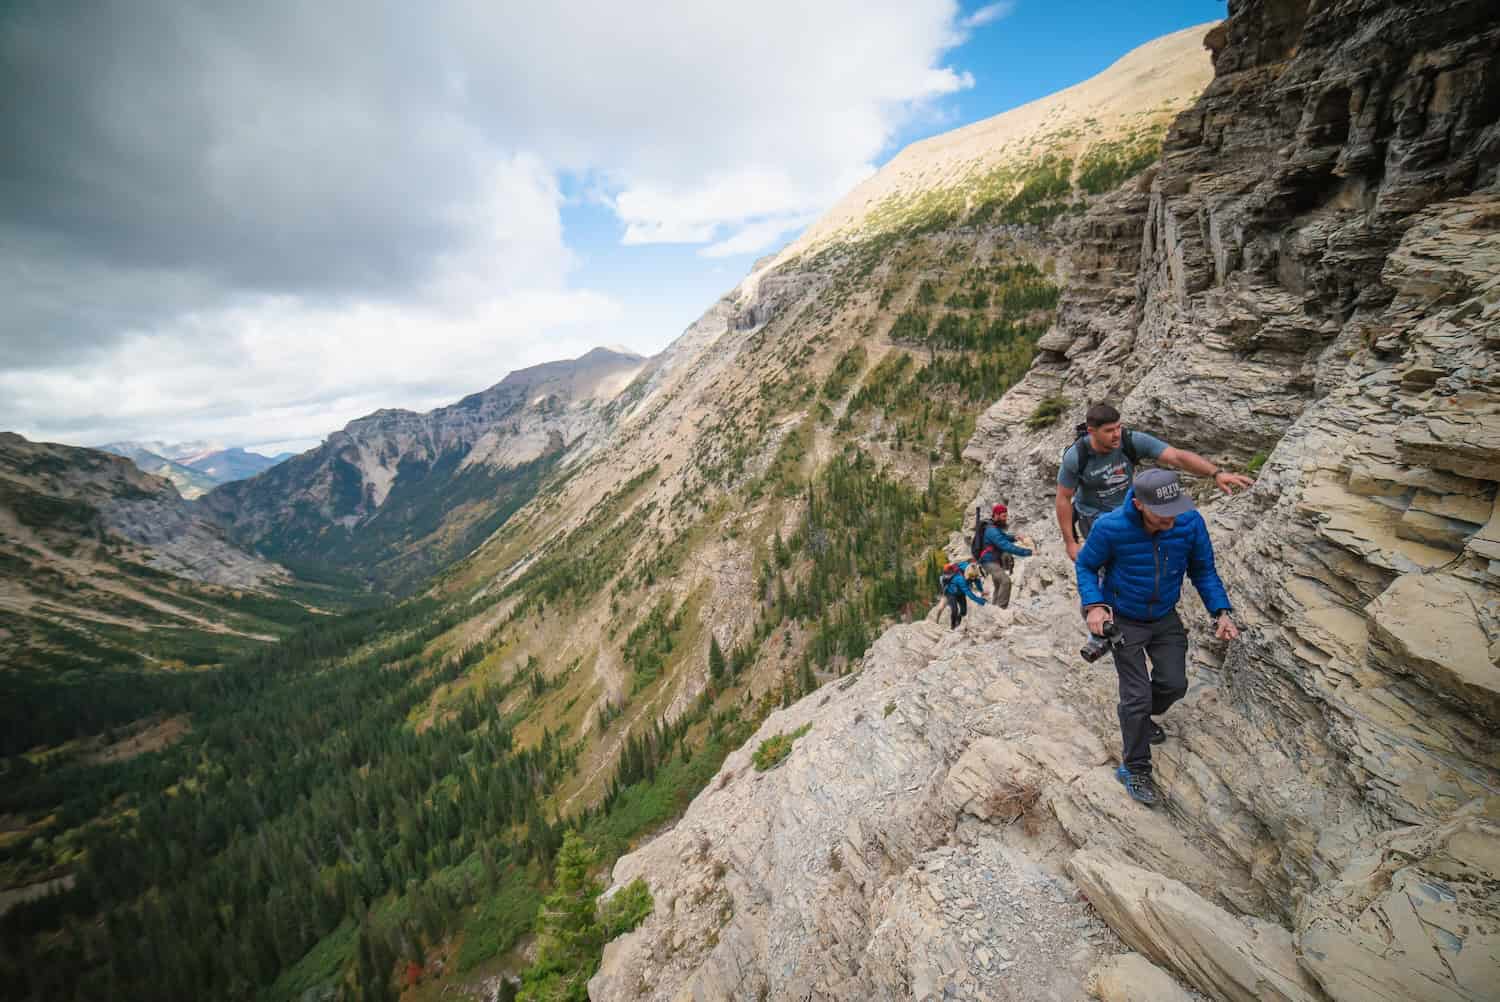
x=1162, y=493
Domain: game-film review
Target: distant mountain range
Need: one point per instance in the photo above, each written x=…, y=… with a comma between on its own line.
x=397, y=495
x=195, y=468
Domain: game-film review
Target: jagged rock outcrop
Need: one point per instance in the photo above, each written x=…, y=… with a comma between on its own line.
x=1308, y=280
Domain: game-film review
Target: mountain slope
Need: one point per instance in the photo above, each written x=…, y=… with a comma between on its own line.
x=1106, y=129
x=856, y=369
x=106, y=572
x=397, y=495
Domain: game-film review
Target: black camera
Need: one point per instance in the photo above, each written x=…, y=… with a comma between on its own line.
x=1099, y=645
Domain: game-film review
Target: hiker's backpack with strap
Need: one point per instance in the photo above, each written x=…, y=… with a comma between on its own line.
x=977, y=544
x=1081, y=433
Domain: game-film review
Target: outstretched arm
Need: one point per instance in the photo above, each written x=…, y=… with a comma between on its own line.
x=1191, y=462
x=1002, y=541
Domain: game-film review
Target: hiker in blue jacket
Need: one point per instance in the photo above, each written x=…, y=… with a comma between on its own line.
x=955, y=580
x=1144, y=548
x=998, y=545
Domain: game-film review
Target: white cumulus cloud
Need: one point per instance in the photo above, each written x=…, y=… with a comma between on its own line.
x=252, y=222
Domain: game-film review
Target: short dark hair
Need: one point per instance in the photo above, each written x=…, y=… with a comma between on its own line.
x=1100, y=415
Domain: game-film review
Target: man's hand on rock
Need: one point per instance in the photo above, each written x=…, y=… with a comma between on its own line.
x=1097, y=617
x=1073, y=546
x=1229, y=481
x=1225, y=629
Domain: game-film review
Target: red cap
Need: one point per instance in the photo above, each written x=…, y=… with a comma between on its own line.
x=999, y=512
x=951, y=567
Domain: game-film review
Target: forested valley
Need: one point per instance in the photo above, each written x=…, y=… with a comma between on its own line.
x=389, y=798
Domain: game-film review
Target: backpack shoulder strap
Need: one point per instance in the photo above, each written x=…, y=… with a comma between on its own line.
x=1127, y=442
x=1077, y=447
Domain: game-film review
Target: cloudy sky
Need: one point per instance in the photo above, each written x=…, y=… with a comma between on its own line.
x=253, y=222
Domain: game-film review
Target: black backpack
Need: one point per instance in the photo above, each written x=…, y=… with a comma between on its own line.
x=1127, y=443
x=976, y=543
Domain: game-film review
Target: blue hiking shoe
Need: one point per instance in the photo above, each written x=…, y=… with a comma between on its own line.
x=1138, y=785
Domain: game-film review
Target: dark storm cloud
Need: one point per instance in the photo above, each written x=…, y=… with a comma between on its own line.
x=179, y=152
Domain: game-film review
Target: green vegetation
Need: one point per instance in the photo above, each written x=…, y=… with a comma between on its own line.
x=500, y=918
x=1107, y=165
x=69, y=677
x=628, y=908
x=775, y=749
x=298, y=801
x=1256, y=462
x=650, y=644
x=849, y=365
x=1043, y=195
x=1047, y=412
x=569, y=935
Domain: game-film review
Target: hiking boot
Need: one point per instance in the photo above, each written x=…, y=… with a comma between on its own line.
x=1156, y=735
x=1138, y=785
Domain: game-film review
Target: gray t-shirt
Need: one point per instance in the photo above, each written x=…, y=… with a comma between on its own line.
x=1101, y=485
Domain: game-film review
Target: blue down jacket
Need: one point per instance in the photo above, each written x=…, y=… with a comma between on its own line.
x=997, y=539
x=957, y=584
x=1143, y=572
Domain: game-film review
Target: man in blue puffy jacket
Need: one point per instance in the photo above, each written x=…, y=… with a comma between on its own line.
x=1144, y=549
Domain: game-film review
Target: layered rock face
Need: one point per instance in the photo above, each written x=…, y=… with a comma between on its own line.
x=1309, y=279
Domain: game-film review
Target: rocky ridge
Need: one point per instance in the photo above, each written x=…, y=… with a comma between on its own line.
x=398, y=494
x=94, y=494
x=94, y=554
x=1307, y=280
x=1122, y=106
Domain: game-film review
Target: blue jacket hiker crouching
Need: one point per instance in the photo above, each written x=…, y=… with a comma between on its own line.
x=1144, y=549
x=956, y=591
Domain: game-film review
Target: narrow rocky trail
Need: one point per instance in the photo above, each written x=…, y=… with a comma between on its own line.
x=921, y=841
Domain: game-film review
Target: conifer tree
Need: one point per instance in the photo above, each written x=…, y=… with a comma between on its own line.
x=569, y=936
x=715, y=659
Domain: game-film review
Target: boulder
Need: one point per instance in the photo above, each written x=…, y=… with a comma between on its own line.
x=1429, y=625
x=1415, y=920
x=1130, y=977
x=1226, y=957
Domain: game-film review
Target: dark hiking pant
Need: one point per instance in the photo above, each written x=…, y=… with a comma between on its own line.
x=1000, y=577
x=958, y=607
x=1145, y=694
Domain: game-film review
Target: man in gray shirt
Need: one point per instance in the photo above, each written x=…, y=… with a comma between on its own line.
x=1097, y=469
